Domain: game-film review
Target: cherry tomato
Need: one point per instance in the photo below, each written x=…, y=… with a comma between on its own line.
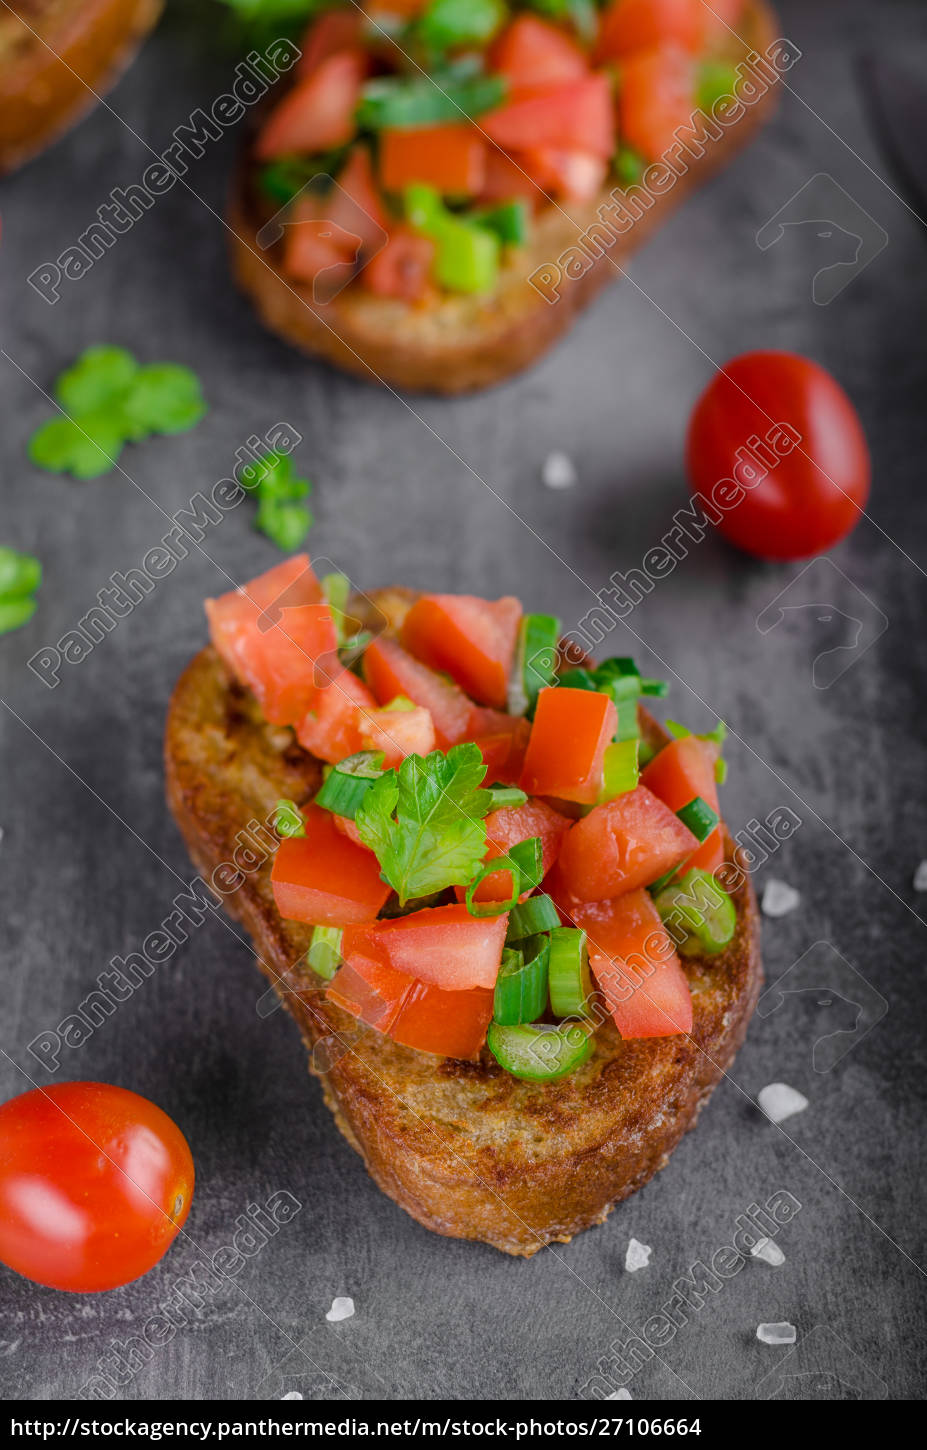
x=95, y=1183
x=784, y=429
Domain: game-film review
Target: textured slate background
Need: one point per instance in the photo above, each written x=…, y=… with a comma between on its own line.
x=90, y=860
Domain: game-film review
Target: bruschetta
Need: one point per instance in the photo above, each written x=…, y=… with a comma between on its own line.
x=497, y=898
x=431, y=207
x=56, y=57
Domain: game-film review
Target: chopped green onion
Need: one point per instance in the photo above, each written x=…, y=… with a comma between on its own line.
x=569, y=975
x=628, y=723
x=679, y=731
x=506, y=797
x=716, y=80
x=337, y=590
x=467, y=258
x=535, y=663
x=540, y=1052
x=621, y=771
x=646, y=753
x=349, y=781
x=511, y=221
x=699, y=817
x=629, y=166
x=523, y=863
x=700, y=915
x=455, y=94
x=324, y=954
x=447, y=24
x=720, y=770
x=577, y=680
x=659, y=688
x=288, y=819
x=530, y=917
x=521, y=986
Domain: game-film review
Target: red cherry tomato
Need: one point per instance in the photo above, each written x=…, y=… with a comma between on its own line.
x=779, y=414
x=95, y=1183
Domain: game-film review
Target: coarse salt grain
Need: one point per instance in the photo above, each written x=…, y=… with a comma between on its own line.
x=779, y=898
x=776, y=1333
x=637, y=1256
x=620, y=1395
x=920, y=875
x=769, y=1252
x=341, y=1309
x=559, y=471
x=779, y=1101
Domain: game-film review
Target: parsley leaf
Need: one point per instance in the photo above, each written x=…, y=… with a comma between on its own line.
x=100, y=378
x=424, y=822
x=84, y=447
x=280, y=516
x=20, y=577
x=165, y=398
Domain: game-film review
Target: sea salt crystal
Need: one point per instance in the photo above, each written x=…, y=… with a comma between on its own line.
x=620, y=1395
x=341, y=1309
x=776, y=1333
x=779, y=1101
x=769, y=1252
x=779, y=898
x=920, y=875
x=637, y=1256
x=559, y=471
x=292, y=1395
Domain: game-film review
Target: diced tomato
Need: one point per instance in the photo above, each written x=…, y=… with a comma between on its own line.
x=573, y=175
x=472, y=639
x=630, y=841
x=317, y=114
x=446, y=946
x=450, y=157
x=531, y=52
x=677, y=774
x=628, y=26
x=636, y=967
x=348, y=828
x=331, y=727
x=398, y=733
x=272, y=640
x=657, y=97
x=506, y=828
x=566, y=751
x=450, y=1024
x=390, y=671
x=419, y=1014
x=323, y=878
x=508, y=177
x=403, y=267
x=354, y=203
x=334, y=31
x=503, y=740
x=578, y=115
x=313, y=245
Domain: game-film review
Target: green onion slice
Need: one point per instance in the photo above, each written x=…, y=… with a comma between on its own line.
x=511, y=221
x=506, y=797
x=535, y=915
x=699, y=817
x=288, y=819
x=571, y=984
x=324, y=954
x=535, y=661
x=349, y=781
x=337, y=590
x=621, y=771
x=521, y=986
x=540, y=1052
x=524, y=863
x=698, y=913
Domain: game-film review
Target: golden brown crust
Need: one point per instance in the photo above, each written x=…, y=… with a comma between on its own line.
x=457, y=344
x=465, y=1148
x=56, y=56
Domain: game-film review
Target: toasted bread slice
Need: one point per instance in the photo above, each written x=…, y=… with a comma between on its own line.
x=56, y=56
x=466, y=1149
x=457, y=343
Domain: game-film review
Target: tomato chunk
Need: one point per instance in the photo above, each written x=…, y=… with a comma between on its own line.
x=317, y=114
x=509, y=826
x=503, y=740
x=577, y=115
x=368, y=988
x=635, y=964
x=626, y=843
x=330, y=33
x=633, y=25
x=403, y=267
x=331, y=727
x=449, y=157
x=566, y=750
x=390, y=671
x=472, y=640
x=508, y=177
x=273, y=634
x=450, y=1024
x=574, y=175
x=446, y=946
x=657, y=97
x=530, y=53
x=398, y=733
x=323, y=878
x=677, y=774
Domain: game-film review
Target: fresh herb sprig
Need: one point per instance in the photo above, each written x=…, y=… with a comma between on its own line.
x=280, y=513
x=20, y=578
x=110, y=399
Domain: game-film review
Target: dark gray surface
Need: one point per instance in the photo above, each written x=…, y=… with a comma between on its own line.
x=90, y=859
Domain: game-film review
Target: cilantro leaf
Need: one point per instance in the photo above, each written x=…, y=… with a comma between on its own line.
x=424, y=822
x=99, y=378
x=164, y=398
x=85, y=448
x=274, y=483
x=285, y=524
